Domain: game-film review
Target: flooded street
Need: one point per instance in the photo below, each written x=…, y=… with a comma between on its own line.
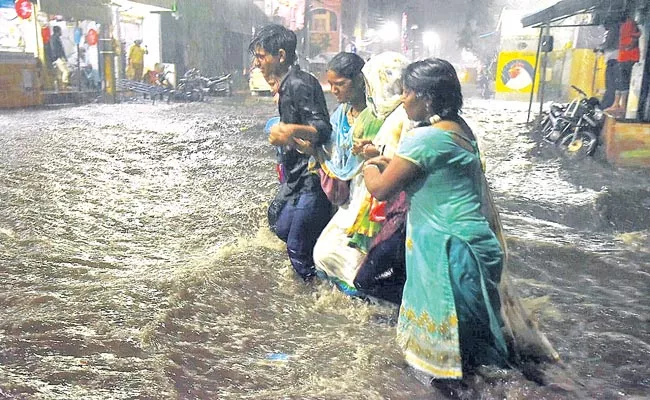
x=136, y=263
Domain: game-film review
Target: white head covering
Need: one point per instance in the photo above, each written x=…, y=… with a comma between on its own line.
x=383, y=74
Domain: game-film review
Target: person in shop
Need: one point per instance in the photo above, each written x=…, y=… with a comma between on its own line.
x=628, y=55
x=136, y=60
x=609, y=48
x=300, y=209
x=59, y=57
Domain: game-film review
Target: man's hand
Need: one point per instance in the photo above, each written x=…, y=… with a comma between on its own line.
x=280, y=135
x=303, y=146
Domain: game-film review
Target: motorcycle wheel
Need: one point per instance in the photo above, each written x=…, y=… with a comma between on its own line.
x=558, y=132
x=583, y=143
x=194, y=95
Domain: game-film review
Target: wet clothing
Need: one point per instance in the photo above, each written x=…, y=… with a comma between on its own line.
x=60, y=60
x=136, y=54
x=610, y=50
x=57, y=48
x=364, y=230
x=611, y=83
x=382, y=272
x=342, y=245
x=299, y=225
x=628, y=54
x=342, y=164
x=628, y=45
x=624, y=76
x=450, y=314
x=301, y=101
x=136, y=62
x=334, y=258
x=301, y=207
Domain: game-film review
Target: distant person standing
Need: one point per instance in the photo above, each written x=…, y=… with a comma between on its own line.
x=136, y=60
x=609, y=47
x=58, y=55
x=628, y=55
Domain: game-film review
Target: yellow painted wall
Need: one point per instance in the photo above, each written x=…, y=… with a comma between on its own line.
x=587, y=73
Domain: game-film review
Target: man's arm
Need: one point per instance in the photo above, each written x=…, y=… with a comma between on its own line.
x=310, y=103
x=282, y=134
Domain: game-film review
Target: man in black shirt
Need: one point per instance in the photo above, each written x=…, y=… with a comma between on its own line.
x=300, y=210
x=59, y=57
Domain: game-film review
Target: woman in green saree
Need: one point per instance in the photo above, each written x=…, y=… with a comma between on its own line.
x=451, y=317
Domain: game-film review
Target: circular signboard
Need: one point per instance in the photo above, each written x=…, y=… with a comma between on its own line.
x=23, y=9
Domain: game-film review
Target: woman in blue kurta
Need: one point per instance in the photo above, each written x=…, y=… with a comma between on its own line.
x=450, y=317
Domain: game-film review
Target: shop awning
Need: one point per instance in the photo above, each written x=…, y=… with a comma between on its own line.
x=95, y=10
x=567, y=8
x=167, y=4
x=138, y=8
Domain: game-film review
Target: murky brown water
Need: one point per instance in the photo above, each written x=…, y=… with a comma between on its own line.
x=135, y=263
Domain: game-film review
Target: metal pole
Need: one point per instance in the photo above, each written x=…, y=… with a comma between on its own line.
x=78, y=59
x=108, y=54
x=306, y=29
x=532, y=88
x=542, y=76
x=36, y=41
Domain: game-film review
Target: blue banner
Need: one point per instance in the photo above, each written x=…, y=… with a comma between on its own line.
x=7, y=3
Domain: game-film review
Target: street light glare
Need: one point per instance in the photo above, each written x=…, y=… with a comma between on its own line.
x=430, y=39
x=389, y=31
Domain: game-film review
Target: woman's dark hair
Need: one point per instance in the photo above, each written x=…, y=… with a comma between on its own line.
x=274, y=37
x=347, y=65
x=436, y=80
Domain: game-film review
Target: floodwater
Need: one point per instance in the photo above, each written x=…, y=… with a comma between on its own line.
x=135, y=263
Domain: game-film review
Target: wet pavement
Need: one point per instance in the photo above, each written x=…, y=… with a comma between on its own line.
x=135, y=263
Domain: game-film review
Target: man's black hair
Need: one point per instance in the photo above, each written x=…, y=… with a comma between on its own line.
x=274, y=37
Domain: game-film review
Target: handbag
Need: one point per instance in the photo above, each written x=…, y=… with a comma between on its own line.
x=336, y=190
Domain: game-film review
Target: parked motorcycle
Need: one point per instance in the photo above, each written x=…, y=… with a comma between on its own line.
x=588, y=121
x=217, y=85
x=574, y=126
x=189, y=87
x=557, y=121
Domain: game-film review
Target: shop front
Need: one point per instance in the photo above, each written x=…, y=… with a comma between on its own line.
x=142, y=22
x=20, y=67
x=626, y=133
